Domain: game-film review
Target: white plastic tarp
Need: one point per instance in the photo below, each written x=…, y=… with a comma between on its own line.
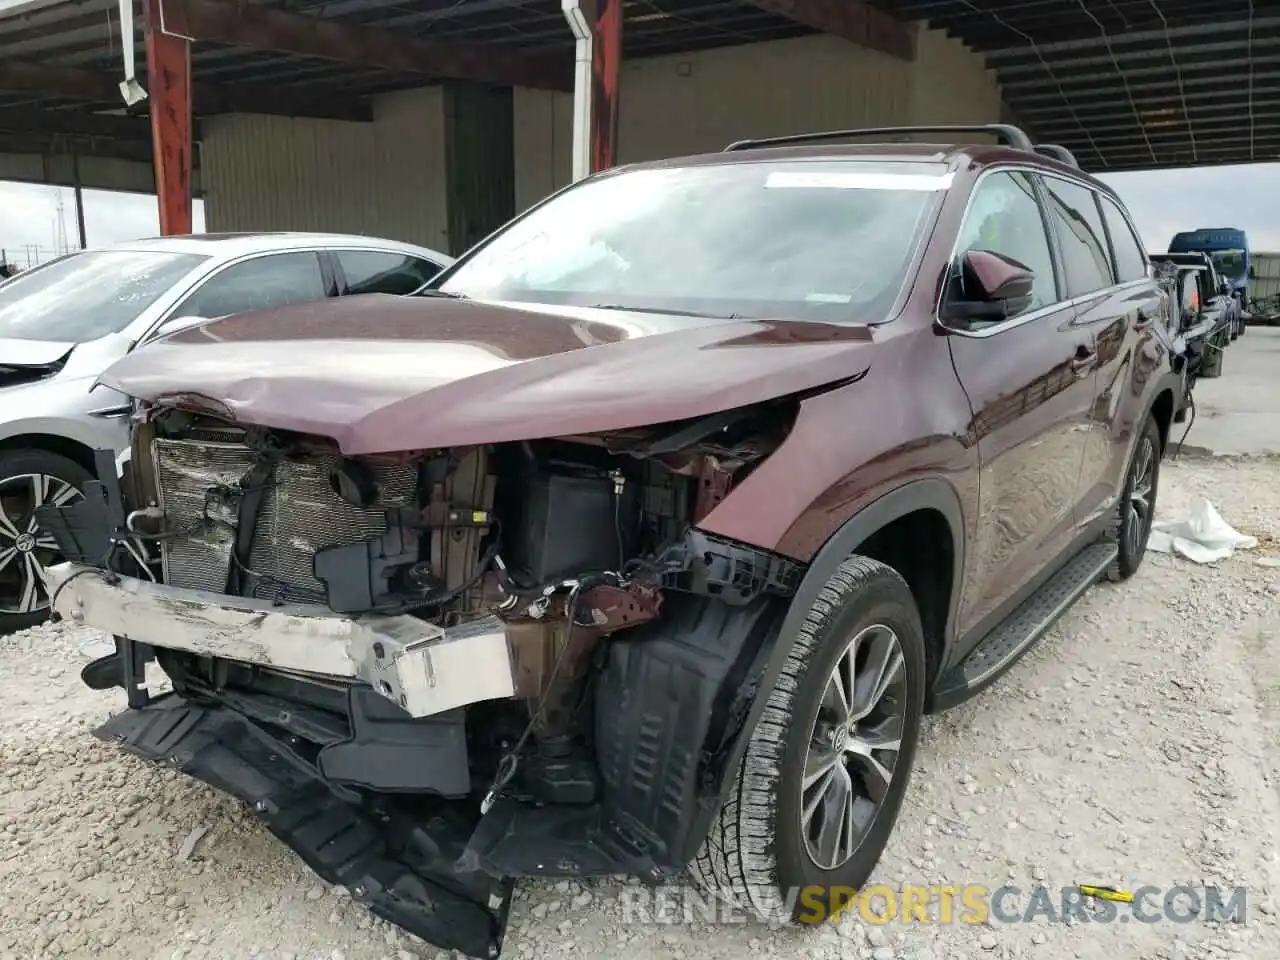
x=1200, y=535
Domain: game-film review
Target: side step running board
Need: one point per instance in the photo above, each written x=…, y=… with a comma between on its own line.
x=404, y=867
x=1028, y=622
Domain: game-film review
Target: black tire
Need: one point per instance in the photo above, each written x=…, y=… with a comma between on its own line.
x=15, y=464
x=756, y=853
x=1129, y=512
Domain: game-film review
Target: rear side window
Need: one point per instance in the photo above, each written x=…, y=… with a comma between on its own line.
x=373, y=271
x=1131, y=261
x=1004, y=217
x=1078, y=225
x=259, y=284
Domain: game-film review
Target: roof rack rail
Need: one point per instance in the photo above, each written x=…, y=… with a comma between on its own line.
x=1007, y=134
x=1058, y=153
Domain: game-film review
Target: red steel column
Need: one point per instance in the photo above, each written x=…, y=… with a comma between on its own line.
x=606, y=61
x=169, y=96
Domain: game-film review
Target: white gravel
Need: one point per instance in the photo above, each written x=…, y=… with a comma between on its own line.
x=1137, y=745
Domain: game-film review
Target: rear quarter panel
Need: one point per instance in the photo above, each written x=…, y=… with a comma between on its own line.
x=1134, y=365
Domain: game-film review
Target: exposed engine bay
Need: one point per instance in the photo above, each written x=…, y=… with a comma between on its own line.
x=633, y=639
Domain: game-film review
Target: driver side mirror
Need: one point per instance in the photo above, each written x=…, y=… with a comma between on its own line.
x=991, y=288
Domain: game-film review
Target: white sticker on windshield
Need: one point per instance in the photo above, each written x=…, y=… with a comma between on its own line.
x=828, y=298
x=853, y=180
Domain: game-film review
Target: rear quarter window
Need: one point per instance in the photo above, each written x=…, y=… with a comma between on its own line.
x=1131, y=261
x=1073, y=211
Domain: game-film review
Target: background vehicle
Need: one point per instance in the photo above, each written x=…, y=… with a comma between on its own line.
x=1215, y=300
x=63, y=323
x=624, y=552
x=1229, y=250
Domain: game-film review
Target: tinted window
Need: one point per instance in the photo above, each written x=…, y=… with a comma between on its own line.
x=818, y=240
x=88, y=295
x=369, y=271
x=1084, y=243
x=1004, y=217
x=258, y=284
x=1131, y=262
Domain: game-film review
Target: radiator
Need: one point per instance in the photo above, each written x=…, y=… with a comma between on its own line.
x=300, y=514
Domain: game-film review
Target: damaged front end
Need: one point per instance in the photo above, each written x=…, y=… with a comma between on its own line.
x=435, y=672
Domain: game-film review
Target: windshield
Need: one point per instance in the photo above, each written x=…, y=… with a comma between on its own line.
x=88, y=295
x=1230, y=263
x=807, y=240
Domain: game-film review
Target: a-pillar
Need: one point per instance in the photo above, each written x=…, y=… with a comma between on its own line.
x=169, y=97
x=606, y=63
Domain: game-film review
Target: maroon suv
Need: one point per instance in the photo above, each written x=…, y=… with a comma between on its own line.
x=643, y=539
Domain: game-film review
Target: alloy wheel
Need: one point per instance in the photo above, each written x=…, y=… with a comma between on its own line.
x=25, y=549
x=1139, y=507
x=853, y=749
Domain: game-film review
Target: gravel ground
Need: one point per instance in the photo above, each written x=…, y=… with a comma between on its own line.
x=1136, y=745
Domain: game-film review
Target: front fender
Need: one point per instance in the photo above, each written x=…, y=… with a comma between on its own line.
x=66, y=409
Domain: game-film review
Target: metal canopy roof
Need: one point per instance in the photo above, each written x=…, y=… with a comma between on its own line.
x=61, y=59
x=1128, y=84
x=1123, y=84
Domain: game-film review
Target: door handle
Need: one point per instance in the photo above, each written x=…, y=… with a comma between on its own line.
x=1143, y=320
x=1083, y=361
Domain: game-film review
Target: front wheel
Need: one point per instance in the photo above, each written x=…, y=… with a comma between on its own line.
x=29, y=479
x=825, y=772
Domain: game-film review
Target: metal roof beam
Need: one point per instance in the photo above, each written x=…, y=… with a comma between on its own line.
x=54, y=144
x=1209, y=155
x=261, y=28
x=74, y=123
x=1100, y=108
x=1088, y=39
x=1200, y=126
x=1215, y=68
x=851, y=20
x=1157, y=50
x=1154, y=119
x=51, y=80
x=1187, y=37
x=1221, y=148
x=1109, y=89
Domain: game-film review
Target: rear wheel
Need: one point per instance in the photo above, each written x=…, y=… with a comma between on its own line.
x=1131, y=525
x=29, y=479
x=823, y=778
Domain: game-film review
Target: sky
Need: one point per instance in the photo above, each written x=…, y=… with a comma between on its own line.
x=1162, y=202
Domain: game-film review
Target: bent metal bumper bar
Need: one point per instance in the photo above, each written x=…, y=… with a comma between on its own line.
x=424, y=668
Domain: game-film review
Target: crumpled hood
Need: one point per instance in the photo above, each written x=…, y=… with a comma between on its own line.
x=382, y=373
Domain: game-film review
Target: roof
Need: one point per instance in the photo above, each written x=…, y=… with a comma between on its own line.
x=1129, y=84
x=231, y=245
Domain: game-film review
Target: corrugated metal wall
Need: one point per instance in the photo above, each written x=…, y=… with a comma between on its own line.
x=385, y=178
x=686, y=103
x=951, y=84
x=1267, y=282
x=391, y=177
